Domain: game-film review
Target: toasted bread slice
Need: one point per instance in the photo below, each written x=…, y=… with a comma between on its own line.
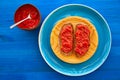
x=66, y=39
x=81, y=39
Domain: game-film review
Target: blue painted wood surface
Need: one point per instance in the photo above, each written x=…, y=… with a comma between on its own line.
x=20, y=58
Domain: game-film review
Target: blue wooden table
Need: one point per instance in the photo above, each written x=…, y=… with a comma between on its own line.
x=20, y=58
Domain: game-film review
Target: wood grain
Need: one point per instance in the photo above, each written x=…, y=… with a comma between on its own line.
x=19, y=53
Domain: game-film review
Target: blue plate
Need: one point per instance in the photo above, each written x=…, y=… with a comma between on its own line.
x=104, y=36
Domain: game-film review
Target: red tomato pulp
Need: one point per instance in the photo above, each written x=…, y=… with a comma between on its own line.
x=82, y=39
x=22, y=12
x=66, y=37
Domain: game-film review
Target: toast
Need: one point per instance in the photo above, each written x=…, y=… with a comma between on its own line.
x=81, y=39
x=66, y=39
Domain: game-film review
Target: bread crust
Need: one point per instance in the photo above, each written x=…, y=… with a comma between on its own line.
x=78, y=54
x=71, y=40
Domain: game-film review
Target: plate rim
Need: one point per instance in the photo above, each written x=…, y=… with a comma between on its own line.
x=108, y=51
